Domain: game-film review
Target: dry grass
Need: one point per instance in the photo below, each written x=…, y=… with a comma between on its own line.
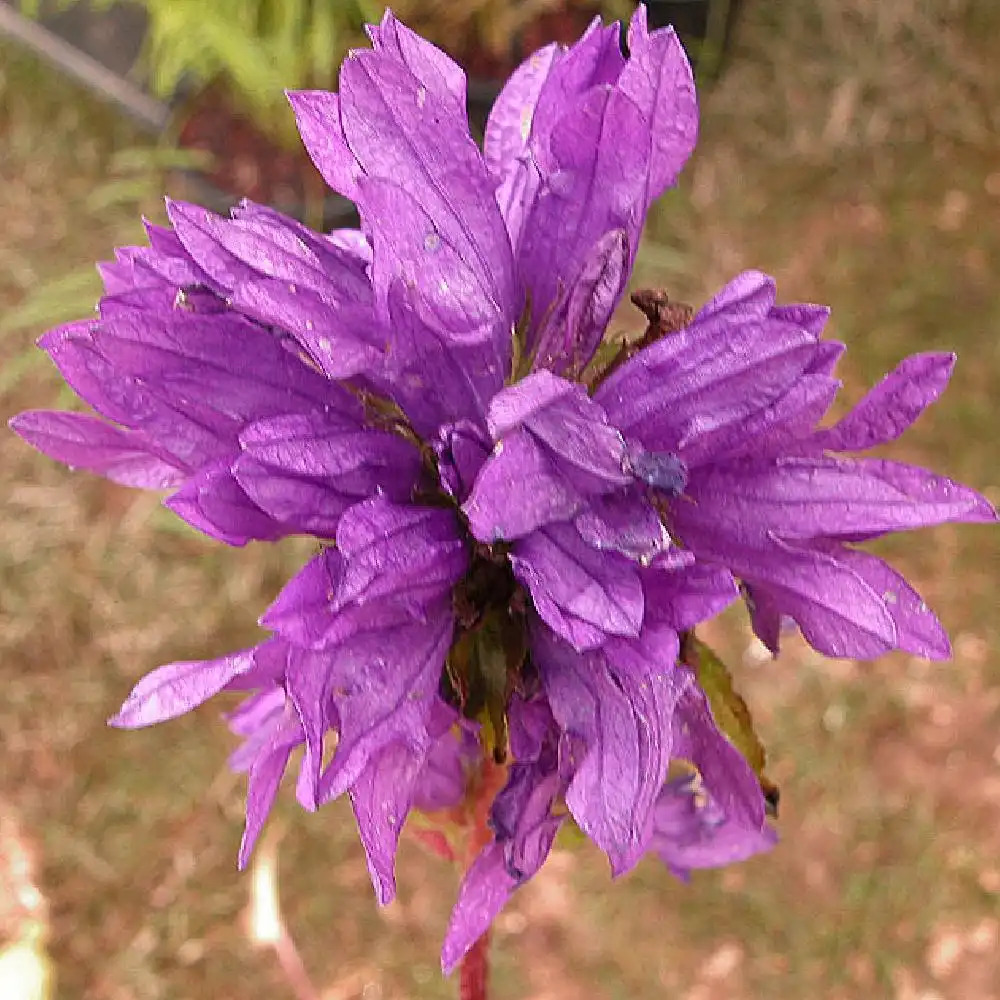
x=851, y=150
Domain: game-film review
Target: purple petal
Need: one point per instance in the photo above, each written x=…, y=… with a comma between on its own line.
x=732, y=783
x=625, y=523
x=582, y=594
x=751, y=295
x=615, y=706
x=386, y=685
x=518, y=490
x=394, y=551
x=594, y=185
x=306, y=612
x=590, y=63
x=317, y=114
x=437, y=71
x=213, y=502
x=382, y=797
x=810, y=497
x=399, y=127
x=264, y=778
x=461, y=450
x=450, y=762
x=412, y=247
x=917, y=627
x=683, y=597
x=690, y=830
x=700, y=385
x=574, y=331
x=82, y=441
x=838, y=612
x=305, y=469
x=484, y=892
x=177, y=688
x=509, y=125
x=892, y=405
x=658, y=79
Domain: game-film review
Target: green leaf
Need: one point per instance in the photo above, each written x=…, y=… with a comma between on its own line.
x=729, y=710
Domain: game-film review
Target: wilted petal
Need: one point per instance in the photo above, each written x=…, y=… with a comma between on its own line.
x=691, y=831
x=623, y=522
x=697, y=738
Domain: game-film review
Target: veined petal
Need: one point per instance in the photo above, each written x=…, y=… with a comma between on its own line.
x=680, y=392
x=838, y=612
x=177, y=688
x=917, y=627
x=595, y=184
x=892, y=405
x=659, y=80
x=382, y=797
x=399, y=127
x=684, y=596
x=615, y=706
x=317, y=114
x=395, y=551
x=816, y=497
x=386, y=682
x=518, y=490
x=214, y=502
x=583, y=595
x=82, y=441
x=509, y=125
x=433, y=68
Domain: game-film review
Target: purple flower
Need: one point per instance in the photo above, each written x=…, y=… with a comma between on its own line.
x=733, y=400
x=508, y=557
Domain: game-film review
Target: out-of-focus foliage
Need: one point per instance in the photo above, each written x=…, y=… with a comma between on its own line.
x=491, y=25
x=256, y=48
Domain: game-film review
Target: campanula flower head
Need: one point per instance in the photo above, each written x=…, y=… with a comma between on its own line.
x=516, y=533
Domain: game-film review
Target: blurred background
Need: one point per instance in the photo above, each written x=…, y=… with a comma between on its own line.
x=852, y=149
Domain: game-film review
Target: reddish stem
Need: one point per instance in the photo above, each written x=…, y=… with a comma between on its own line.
x=474, y=974
x=473, y=982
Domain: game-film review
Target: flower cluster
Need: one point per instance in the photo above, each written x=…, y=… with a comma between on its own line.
x=517, y=532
